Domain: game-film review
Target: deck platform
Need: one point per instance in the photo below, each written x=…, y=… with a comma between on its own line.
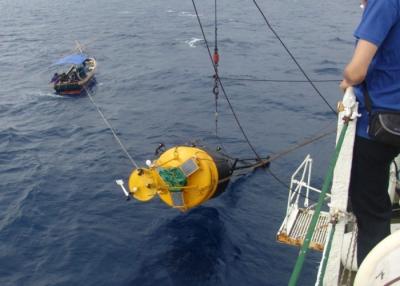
x=294, y=232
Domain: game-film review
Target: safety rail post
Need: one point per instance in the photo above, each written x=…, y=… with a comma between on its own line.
x=327, y=182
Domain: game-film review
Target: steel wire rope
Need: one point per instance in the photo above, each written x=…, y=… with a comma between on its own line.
x=221, y=85
x=277, y=80
x=278, y=155
x=123, y=148
x=237, y=175
x=292, y=148
x=285, y=152
x=273, y=175
x=280, y=181
x=252, y=167
x=319, y=135
x=292, y=57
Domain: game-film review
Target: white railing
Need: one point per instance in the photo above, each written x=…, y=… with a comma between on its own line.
x=300, y=185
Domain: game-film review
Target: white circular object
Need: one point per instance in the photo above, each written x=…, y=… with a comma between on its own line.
x=382, y=264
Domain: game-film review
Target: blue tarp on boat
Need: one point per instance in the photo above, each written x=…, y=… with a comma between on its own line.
x=75, y=59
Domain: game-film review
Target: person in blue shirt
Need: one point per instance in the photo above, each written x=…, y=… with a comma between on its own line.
x=376, y=60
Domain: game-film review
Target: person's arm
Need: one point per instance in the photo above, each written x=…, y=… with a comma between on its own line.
x=356, y=70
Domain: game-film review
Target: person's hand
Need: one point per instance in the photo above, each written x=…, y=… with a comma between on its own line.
x=344, y=85
x=363, y=4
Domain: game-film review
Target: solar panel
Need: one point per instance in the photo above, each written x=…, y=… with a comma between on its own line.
x=189, y=167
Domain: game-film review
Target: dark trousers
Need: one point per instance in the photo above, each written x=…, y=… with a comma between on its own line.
x=369, y=192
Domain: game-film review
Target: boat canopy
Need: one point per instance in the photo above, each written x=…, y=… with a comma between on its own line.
x=75, y=59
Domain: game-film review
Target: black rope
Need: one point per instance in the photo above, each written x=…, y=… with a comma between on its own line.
x=280, y=181
x=243, y=162
x=221, y=85
x=278, y=80
x=264, y=162
x=243, y=167
x=293, y=58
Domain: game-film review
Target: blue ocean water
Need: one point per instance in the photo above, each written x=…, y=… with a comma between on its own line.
x=64, y=221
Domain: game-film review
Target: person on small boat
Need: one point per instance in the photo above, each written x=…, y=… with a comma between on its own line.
x=63, y=77
x=73, y=76
x=55, y=79
x=375, y=62
x=81, y=72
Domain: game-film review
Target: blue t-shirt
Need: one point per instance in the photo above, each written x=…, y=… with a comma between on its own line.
x=380, y=25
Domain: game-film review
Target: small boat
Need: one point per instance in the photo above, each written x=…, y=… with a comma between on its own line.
x=78, y=77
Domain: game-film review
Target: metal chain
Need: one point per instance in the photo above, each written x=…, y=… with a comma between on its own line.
x=216, y=93
x=353, y=237
x=353, y=252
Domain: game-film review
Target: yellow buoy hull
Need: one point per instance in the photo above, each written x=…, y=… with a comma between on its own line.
x=199, y=169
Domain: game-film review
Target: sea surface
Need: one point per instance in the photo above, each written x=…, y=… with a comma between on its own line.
x=64, y=221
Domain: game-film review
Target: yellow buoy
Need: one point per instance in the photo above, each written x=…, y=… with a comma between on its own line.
x=183, y=177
